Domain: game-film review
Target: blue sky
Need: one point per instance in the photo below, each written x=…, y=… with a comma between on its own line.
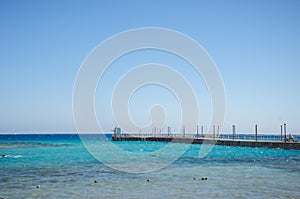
x=255, y=45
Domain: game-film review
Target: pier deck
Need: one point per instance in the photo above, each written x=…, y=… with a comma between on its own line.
x=207, y=140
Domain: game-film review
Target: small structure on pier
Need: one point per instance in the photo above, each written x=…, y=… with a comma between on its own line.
x=117, y=132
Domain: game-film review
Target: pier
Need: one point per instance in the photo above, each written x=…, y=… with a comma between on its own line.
x=234, y=139
x=209, y=140
x=242, y=140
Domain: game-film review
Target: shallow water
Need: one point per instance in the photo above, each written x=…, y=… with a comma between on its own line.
x=63, y=168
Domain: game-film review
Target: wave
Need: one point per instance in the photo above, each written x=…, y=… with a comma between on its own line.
x=5, y=145
x=11, y=156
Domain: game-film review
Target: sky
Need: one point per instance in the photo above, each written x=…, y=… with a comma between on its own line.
x=254, y=44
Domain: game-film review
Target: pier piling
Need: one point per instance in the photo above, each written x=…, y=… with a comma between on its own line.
x=256, y=132
x=281, y=133
x=233, y=132
x=284, y=132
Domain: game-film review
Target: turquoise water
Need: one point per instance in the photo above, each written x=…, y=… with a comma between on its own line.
x=63, y=168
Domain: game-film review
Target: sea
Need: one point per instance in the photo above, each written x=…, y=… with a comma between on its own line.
x=63, y=166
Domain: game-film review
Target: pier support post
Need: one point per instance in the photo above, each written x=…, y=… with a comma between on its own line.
x=214, y=133
x=197, y=130
x=256, y=132
x=233, y=131
x=284, y=132
x=281, y=133
x=202, y=131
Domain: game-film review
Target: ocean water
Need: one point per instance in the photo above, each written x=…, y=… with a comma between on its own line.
x=63, y=168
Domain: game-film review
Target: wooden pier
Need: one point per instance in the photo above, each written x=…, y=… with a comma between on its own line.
x=208, y=140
